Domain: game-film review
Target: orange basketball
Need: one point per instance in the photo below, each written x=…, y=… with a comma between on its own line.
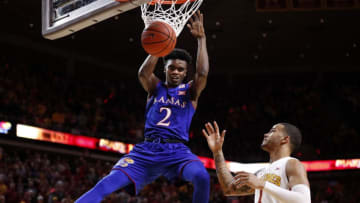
x=158, y=39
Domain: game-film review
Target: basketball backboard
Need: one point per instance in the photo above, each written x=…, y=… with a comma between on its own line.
x=63, y=17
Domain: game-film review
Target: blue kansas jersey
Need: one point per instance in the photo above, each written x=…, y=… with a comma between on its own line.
x=169, y=112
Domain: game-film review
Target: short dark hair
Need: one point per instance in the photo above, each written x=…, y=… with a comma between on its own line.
x=181, y=54
x=295, y=135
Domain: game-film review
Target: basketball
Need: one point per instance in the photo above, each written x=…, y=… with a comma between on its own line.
x=158, y=39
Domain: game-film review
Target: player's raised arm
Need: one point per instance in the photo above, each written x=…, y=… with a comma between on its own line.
x=146, y=74
x=196, y=27
x=215, y=142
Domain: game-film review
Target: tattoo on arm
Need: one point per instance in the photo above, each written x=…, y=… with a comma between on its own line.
x=223, y=173
x=225, y=178
x=245, y=190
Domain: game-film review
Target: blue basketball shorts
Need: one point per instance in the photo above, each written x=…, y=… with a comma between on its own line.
x=148, y=160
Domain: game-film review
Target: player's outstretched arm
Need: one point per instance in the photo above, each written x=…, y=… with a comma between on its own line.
x=215, y=142
x=146, y=74
x=196, y=27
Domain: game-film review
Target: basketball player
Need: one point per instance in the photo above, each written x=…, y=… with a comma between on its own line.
x=284, y=180
x=169, y=111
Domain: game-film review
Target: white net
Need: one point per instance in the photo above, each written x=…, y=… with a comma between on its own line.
x=176, y=13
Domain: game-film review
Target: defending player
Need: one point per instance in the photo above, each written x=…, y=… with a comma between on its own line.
x=284, y=180
x=169, y=111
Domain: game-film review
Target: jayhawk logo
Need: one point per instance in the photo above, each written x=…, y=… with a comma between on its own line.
x=124, y=162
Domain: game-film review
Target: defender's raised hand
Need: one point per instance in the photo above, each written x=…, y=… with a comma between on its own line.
x=213, y=137
x=196, y=25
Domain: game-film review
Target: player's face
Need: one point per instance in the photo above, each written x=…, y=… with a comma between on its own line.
x=273, y=138
x=175, y=71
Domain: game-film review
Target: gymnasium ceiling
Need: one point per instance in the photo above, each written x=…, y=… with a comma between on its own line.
x=239, y=38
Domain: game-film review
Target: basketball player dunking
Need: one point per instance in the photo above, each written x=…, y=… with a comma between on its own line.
x=169, y=111
x=284, y=180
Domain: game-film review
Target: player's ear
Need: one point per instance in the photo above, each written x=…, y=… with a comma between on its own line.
x=285, y=139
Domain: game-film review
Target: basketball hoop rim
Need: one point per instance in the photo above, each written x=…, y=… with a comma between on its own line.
x=169, y=2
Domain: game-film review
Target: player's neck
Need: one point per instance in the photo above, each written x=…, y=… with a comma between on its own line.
x=170, y=85
x=278, y=154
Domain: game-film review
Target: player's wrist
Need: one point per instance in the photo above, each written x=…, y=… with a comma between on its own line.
x=201, y=37
x=217, y=152
x=153, y=57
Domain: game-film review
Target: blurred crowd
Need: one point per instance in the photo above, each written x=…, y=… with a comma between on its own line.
x=30, y=176
x=323, y=105
x=50, y=99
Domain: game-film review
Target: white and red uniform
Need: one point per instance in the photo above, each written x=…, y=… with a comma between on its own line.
x=274, y=173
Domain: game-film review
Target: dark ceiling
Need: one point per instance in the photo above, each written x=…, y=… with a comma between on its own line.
x=239, y=38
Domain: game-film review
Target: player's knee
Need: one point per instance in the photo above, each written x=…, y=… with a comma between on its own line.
x=201, y=177
x=108, y=183
x=196, y=173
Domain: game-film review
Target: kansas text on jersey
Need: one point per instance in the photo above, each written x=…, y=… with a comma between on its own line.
x=169, y=112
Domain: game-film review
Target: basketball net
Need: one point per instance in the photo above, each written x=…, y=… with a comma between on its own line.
x=176, y=13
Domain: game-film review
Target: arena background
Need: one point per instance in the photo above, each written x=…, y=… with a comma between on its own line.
x=268, y=63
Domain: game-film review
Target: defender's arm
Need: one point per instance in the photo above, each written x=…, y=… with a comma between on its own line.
x=227, y=180
x=215, y=142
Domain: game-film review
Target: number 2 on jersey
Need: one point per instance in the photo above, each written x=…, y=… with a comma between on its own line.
x=164, y=121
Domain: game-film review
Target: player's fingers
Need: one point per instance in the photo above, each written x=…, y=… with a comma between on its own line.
x=191, y=20
x=201, y=17
x=241, y=185
x=222, y=137
x=216, y=127
x=205, y=133
x=189, y=26
x=223, y=133
x=239, y=181
x=241, y=173
x=236, y=181
x=239, y=176
x=211, y=127
x=196, y=16
x=242, y=180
